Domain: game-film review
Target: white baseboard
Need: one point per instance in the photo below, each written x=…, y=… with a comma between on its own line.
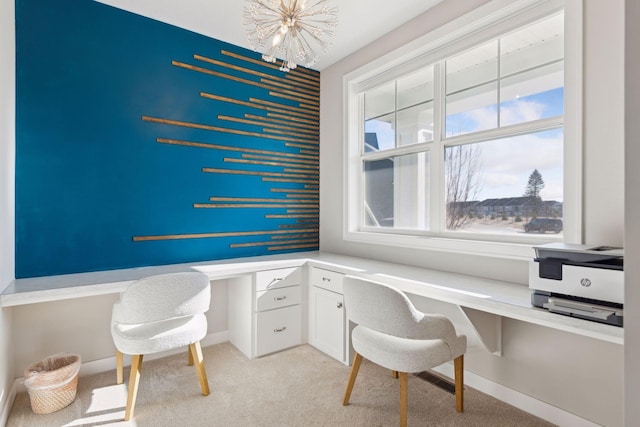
x=215, y=338
x=7, y=402
x=518, y=400
x=109, y=363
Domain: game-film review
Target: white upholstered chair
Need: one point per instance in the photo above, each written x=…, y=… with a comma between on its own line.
x=160, y=313
x=392, y=333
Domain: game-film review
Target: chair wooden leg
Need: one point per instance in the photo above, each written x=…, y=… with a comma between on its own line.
x=355, y=367
x=458, y=365
x=394, y=374
x=134, y=381
x=119, y=376
x=196, y=353
x=190, y=354
x=404, y=379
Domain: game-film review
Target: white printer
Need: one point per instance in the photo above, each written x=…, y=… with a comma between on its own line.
x=579, y=280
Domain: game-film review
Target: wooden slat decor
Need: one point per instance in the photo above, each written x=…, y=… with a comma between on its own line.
x=280, y=107
x=219, y=234
x=289, y=161
x=300, y=74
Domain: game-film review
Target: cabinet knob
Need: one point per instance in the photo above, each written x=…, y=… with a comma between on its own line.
x=339, y=305
x=276, y=330
x=326, y=279
x=280, y=298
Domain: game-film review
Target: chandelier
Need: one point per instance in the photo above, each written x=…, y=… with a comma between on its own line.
x=290, y=29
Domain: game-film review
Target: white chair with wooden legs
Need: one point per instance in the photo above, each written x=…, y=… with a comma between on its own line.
x=392, y=333
x=160, y=313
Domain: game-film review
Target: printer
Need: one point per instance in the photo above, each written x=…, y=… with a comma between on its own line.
x=579, y=280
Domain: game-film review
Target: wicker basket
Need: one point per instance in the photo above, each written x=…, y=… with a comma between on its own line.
x=52, y=383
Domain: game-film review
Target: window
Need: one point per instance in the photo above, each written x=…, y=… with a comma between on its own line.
x=468, y=142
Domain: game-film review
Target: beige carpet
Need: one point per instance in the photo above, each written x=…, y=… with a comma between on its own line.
x=297, y=387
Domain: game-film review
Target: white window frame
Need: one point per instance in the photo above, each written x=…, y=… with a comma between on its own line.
x=483, y=24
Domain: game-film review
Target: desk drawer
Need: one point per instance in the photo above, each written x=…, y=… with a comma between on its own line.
x=279, y=278
x=277, y=298
x=278, y=329
x=326, y=279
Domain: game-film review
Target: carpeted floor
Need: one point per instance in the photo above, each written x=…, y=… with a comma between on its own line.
x=297, y=387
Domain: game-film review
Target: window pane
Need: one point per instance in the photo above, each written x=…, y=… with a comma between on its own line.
x=379, y=134
x=415, y=124
x=499, y=186
x=415, y=88
x=532, y=46
x=532, y=72
x=472, y=90
x=472, y=68
x=396, y=192
x=472, y=110
x=380, y=101
x=533, y=95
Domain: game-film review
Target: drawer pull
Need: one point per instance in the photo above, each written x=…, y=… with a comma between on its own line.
x=280, y=298
x=274, y=281
x=339, y=305
x=276, y=330
x=326, y=279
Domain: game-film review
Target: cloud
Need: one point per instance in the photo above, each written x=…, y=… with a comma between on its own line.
x=542, y=151
x=520, y=111
x=552, y=191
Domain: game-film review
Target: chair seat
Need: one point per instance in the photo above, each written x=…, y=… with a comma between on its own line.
x=404, y=354
x=159, y=336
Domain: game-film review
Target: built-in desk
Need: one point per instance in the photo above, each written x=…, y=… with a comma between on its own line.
x=484, y=302
x=67, y=286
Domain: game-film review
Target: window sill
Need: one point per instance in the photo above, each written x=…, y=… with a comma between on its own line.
x=522, y=251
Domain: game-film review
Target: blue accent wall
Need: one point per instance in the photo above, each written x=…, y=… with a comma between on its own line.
x=131, y=151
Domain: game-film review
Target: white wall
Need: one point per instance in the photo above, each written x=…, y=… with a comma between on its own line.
x=7, y=156
x=555, y=367
x=632, y=214
x=603, y=123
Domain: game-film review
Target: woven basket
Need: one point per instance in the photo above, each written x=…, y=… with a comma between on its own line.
x=52, y=383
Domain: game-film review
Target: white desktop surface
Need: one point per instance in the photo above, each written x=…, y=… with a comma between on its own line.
x=498, y=298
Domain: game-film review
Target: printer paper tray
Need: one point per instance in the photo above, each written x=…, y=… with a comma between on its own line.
x=592, y=311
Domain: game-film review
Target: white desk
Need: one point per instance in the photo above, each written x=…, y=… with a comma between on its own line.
x=484, y=302
x=67, y=286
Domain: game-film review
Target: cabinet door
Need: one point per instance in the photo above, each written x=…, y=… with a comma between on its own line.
x=327, y=322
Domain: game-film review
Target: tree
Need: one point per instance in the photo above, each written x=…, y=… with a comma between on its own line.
x=462, y=172
x=533, y=189
x=534, y=185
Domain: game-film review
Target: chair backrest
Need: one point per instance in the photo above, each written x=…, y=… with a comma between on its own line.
x=163, y=297
x=380, y=307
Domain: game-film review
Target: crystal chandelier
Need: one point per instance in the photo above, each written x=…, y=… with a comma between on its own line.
x=290, y=29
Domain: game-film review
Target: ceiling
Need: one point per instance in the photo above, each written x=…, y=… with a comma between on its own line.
x=359, y=21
